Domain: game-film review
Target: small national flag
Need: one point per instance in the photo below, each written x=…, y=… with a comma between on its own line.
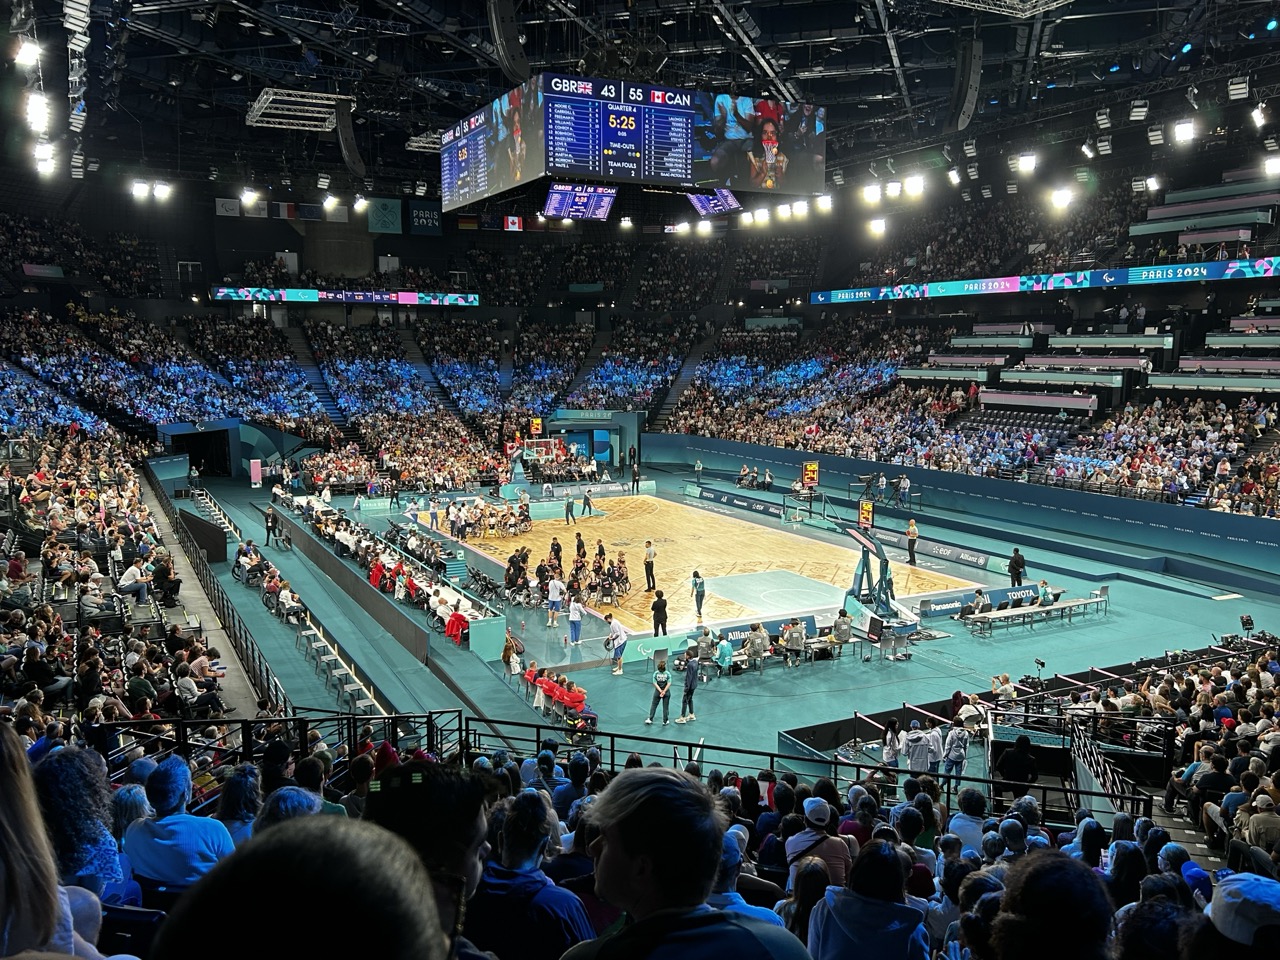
x=468, y=221
x=287, y=211
x=513, y=223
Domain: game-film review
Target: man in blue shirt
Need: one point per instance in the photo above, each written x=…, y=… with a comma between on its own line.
x=175, y=848
x=725, y=895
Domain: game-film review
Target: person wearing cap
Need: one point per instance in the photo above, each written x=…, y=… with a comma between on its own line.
x=724, y=893
x=643, y=816
x=1244, y=911
x=1263, y=827
x=277, y=766
x=871, y=918
x=815, y=840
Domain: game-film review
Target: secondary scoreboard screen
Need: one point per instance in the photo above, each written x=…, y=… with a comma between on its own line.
x=579, y=202
x=708, y=205
x=624, y=132
x=496, y=149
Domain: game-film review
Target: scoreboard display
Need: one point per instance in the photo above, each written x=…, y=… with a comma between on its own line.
x=619, y=131
x=708, y=205
x=579, y=202
x=495, y=149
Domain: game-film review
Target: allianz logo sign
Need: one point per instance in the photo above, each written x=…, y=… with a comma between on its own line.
x=974, y=558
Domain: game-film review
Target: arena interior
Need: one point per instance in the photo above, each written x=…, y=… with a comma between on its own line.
x=796, y=478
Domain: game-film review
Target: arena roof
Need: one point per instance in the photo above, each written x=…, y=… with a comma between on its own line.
x=171, y=82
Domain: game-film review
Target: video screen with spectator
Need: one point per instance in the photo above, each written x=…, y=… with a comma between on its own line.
x=746, y=144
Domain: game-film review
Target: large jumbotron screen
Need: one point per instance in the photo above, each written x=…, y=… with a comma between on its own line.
x=625, y=132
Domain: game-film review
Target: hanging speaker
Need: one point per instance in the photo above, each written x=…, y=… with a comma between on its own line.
x=964, y=92
x=506, y=37
x=347, y=138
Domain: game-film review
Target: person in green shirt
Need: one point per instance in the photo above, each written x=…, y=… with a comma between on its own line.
x=724, y=655
x=661, y=693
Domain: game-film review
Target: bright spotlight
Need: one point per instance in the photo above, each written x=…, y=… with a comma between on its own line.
x=28, y=54
x=43, y=150
x=1061, y=198
x=1184, y=130
x=248, y=195
x=893, y=189
x=914, y=185
x=824, y=203
x=37, y=112
x=330, y=201
x=140, y=189
x=876, y=226
x=682, y=226
x=625, y=223
x=1153, y=183
x=567, y=221
x=704, y=226
x=871, y=193
x=162, y=190
x=1271, y=24
x=1186, y=48
x=1259, y=115
x=800, y=208
x=762, y=215
x=784, y=211
x=954, y=176
x=1088, y=150
x=360, y=203
x=746, y=219
x=1272, y=166
x=1026, y=162
x=46, y=167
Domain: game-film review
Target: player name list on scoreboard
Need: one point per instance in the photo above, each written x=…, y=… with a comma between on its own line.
x=464, y=167
x=619, y=130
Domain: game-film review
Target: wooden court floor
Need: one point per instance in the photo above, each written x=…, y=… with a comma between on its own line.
x=689, y=539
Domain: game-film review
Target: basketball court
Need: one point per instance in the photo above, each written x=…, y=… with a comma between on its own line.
x=752, y=570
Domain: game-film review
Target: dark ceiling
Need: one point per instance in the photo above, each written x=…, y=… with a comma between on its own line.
x=169, y=82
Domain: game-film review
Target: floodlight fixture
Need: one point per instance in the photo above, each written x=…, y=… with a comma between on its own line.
x=800, y=208
x=893, y=189
x=28, y=54
x=359, y=203
x=248, y=195
x=1062, y=198
x=824, y=203
x=330, y=201
x=1184, y=131
x=161, y=190
x=876, y=226
x=1238, y=88
x=971, y=149
x=1088, y=149
x=1103, y=117
x=871, y=193
x=1259, y=114
x=1155, y=135
x=953, y=175
x=1104, y=146
x=1138, y=109
x=1026, y=162
x=914, y=185
x=1271, y=166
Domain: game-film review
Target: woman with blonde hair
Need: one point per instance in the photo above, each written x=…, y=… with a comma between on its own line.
x=812, y=880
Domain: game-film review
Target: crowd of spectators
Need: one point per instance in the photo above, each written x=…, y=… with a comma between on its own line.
x=770, y=258
x=679, y=275
x=1173, y=447
x=256, y=357
x=1087, y=231
x=607, y=264
x=767, y=866
x=28, y=407
x=638, y=366
x=506, y=278
x=117, y=261
x=769, y=386
x=547, y=357
x=464, y=353
x=416, y=438
x=64, y=357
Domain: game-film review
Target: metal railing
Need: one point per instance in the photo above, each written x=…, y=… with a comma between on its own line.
x=203, y=496
x=526, y=738
x=261, y=677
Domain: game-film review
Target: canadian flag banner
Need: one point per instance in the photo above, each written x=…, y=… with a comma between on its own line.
x=812, y=430
x=513, y=223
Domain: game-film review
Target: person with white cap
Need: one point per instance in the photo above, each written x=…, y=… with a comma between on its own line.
x=1244, y=911
x=815, y=840
x=1263, y=828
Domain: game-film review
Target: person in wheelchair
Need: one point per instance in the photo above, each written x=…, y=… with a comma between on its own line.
x=744, y=476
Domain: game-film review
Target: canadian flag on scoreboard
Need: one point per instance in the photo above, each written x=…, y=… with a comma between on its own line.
x=513, y=223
